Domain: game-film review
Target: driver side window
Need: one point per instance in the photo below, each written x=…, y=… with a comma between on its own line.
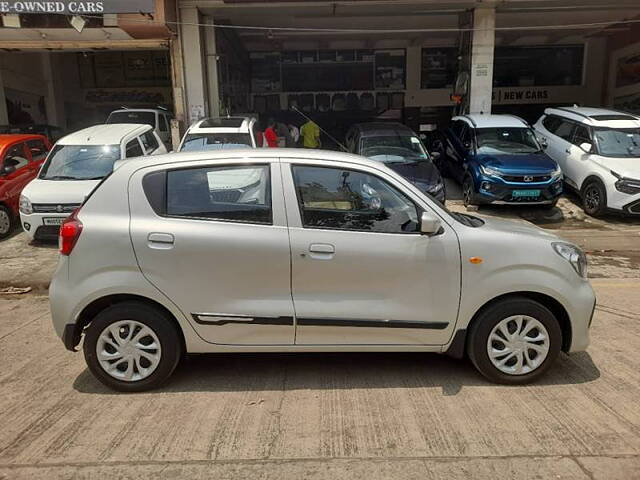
x=343, y=199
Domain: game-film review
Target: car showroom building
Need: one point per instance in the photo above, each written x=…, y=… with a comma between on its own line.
x=414, y=60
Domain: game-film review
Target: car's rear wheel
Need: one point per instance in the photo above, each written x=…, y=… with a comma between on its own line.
x=132, y=347
x=468, y=192
x=514, y=341
x=6, y=222
x=594, y=198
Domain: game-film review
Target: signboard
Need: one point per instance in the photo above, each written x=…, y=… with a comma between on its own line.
x=527, y=95
x=76, y=7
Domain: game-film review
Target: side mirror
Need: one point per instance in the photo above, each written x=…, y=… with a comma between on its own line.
x=430, y=224
x=434, y=155
x=586, y=146
x=543, y=143
x=7, y=169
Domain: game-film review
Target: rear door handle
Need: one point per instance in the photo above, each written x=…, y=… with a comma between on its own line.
x=160, y=240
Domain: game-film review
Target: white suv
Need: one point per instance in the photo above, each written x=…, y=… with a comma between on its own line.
x=74, y=166
x=285, y=250
x=158, y=118
x=221, y=133
x=598, y=151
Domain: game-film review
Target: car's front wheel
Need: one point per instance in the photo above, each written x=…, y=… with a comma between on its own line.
x=514, y=341
x=132, y=347
x=468, y=192
x=594, y=198
x=6, y=222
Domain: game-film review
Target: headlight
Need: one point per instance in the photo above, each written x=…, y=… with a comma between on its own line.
x=629, y=186
x=573, y=255
x=557, y=173
x=25, y=205
x=492, y=172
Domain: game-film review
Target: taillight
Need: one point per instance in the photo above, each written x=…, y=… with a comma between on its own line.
x=69, y=233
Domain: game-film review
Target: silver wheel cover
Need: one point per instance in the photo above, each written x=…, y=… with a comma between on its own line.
x=518, y=345
x=5, y=222
x=128, y=350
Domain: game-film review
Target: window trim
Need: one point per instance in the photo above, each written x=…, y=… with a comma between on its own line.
x=419, y=209
x=165, y=213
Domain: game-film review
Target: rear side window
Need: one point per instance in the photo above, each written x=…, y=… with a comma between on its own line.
x=551, y=123
x=149, y=141
x=230, y=193
x=163, y=123
x=134, y=149
x=336, y=198
x=565, y=130
x=38, y=150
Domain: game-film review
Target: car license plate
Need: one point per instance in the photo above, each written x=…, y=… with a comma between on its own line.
x=525, y=193
x=53, y=220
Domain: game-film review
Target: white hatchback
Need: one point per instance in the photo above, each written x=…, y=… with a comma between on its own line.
x=598, y=151
x=73, y=168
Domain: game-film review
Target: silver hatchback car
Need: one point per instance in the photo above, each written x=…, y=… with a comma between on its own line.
x=304, y=251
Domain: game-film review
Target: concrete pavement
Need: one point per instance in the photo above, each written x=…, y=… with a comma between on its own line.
x=323, y=415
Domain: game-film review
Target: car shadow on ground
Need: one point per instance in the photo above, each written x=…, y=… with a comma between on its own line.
x=327, y=371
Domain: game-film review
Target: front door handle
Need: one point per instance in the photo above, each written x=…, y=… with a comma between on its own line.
x=322, y=248
x=321, y=251
x=160, y=240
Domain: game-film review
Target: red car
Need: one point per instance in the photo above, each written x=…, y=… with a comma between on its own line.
x=20, y=159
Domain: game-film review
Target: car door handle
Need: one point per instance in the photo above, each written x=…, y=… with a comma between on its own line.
x=160, y=240
x=322, y=248
x=568, y=150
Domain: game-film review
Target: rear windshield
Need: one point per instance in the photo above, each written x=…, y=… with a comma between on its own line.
x=80, y=162
x=215, y=141
x=143, y=118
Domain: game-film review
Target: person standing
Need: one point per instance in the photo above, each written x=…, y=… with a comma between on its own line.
x=270, y=134
x=295, y=134
x=310, y=133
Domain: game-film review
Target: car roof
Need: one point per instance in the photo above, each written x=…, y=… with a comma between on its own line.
x=374, y=129
x=597, y=117
x=222, y=124
x=250, y=154
x=104, y=134
x=158, y=110
x=479, y=120
x=7, y=138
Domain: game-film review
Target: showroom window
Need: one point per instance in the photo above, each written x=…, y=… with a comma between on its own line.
x=538, y=66
x=439, y=67
x=342, y=199
x=231, y=193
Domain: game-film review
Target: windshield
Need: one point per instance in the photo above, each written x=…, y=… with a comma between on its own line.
x=143, y=118
x=80, y=162
x=506, y=140
x=618, y=142
x=394, y=148
x=215, y=141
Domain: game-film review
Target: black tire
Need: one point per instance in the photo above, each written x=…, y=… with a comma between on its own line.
x=469, y=196
x=550, y=206
x=594, y=198
x=155, y=319
x=490, y=317
x=6, y=216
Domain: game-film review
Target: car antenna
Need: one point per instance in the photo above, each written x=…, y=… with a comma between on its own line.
x=295, y=109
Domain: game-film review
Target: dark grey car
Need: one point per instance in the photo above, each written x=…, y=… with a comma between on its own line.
x=399, y=148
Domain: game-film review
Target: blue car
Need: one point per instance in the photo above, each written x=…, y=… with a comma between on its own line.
x=498, y=159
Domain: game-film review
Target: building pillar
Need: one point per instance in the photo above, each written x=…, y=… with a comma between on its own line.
x=54, y=93
x=595, y=71
x=482, y=46
x=195, y=79
x=4, y=115
x=212, y=68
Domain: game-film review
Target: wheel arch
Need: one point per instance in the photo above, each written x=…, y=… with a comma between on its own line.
x=98, y=305
x=589, y=178
x=458, y=346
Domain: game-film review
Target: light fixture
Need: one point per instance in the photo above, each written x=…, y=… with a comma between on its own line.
x=78, y=23
x=11, y=20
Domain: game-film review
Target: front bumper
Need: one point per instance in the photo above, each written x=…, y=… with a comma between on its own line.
x=35, y=228
x=495, y=190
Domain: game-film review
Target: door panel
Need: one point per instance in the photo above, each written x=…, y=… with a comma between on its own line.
x=230, y=278
x=370, y=288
